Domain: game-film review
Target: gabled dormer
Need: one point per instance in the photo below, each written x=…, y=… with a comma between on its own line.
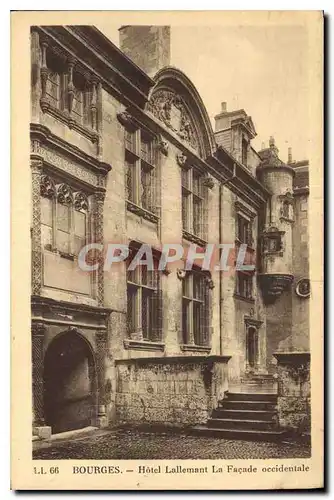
x=234, y=130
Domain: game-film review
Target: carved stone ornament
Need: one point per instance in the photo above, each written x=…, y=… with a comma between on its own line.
x=163, y=146
x=47, y=187
x=210, y=283
x=171, y=110
x=303, y=288
x=181, y=159
x=125, y=118
x=209, y=182
x=80, y=201
x=181, y=274
x=64, y=194
x=273, y=285
x=288, y=197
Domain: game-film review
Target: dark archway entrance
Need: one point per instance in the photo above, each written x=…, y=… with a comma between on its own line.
x=69, y=383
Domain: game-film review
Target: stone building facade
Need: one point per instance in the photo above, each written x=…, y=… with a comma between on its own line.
x=123, y=152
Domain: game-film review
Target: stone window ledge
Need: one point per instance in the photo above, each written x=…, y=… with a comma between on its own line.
x=144, y=345
x=195, y=348
x=68, y=120
x=193, y=238
x=245, y=299
x=141, y=212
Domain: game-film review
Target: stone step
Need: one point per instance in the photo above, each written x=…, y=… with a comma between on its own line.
x=233, y=423
x=254, y=396
x=258, y=376
x=244, y=414
x=247, y=405
x=243, y=434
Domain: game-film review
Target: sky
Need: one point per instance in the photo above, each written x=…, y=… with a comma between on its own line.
x=262, y=69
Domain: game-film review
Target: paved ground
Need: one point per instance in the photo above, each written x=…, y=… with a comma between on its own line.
x=132, y=444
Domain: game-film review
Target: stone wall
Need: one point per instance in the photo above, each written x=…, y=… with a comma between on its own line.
x=176, y=391
x=294, y=392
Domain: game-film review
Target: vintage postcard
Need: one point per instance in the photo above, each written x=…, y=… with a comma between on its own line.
x=167, y=239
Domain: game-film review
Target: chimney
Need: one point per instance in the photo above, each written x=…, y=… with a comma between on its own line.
x=289, y=155
x=146, y=46
x=223, y=107
x=263, y=146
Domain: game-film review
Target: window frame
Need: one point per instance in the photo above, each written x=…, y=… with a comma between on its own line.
x=138, y=163
x=247, y=292
x=138, y=288
x=188, y=196
x=244, y=151
x=245, y=230
x=194, y=334
x=60, y=193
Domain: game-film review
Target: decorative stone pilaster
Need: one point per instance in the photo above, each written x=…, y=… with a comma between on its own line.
x=39, y=427
x=294, y=392
x=36, y=264
x=101, y=344
x=44, y=76
x=99, y=237
x=93, y=103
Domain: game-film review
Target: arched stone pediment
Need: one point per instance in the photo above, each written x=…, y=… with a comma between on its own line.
x=175, y=101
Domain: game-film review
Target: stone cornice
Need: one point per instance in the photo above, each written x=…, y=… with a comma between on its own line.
x=44, y=137
x=293, y=357
x=242, y=208
x=301, y=191
x=283, y=166
x=175, y=359
x=244, y=184
x=48, y=304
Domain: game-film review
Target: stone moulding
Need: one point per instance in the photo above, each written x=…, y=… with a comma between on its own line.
x=142, y=345
x=195, y=348
x=242, y=209
x=273, y=285
x=175, y=360
x=49, y=309
x=42, y=136
x=66, y=118
x=161, y=105
x=293, y=357
x=94, y=52
x=294, y=392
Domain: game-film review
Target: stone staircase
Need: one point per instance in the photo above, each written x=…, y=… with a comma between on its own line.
x=247, y=416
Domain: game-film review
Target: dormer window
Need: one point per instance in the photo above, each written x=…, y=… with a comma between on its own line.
x=244, y=152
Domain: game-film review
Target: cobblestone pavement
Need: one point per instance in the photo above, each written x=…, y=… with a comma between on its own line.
x=133, y=444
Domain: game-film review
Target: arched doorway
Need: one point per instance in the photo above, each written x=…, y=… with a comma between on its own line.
x=252, y=347
x=69, y=383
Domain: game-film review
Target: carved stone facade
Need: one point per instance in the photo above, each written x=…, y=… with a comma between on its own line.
x=173, y=180
x=172, y=111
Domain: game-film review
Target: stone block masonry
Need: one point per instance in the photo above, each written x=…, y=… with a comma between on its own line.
x=294, y=392
x=175, y=391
